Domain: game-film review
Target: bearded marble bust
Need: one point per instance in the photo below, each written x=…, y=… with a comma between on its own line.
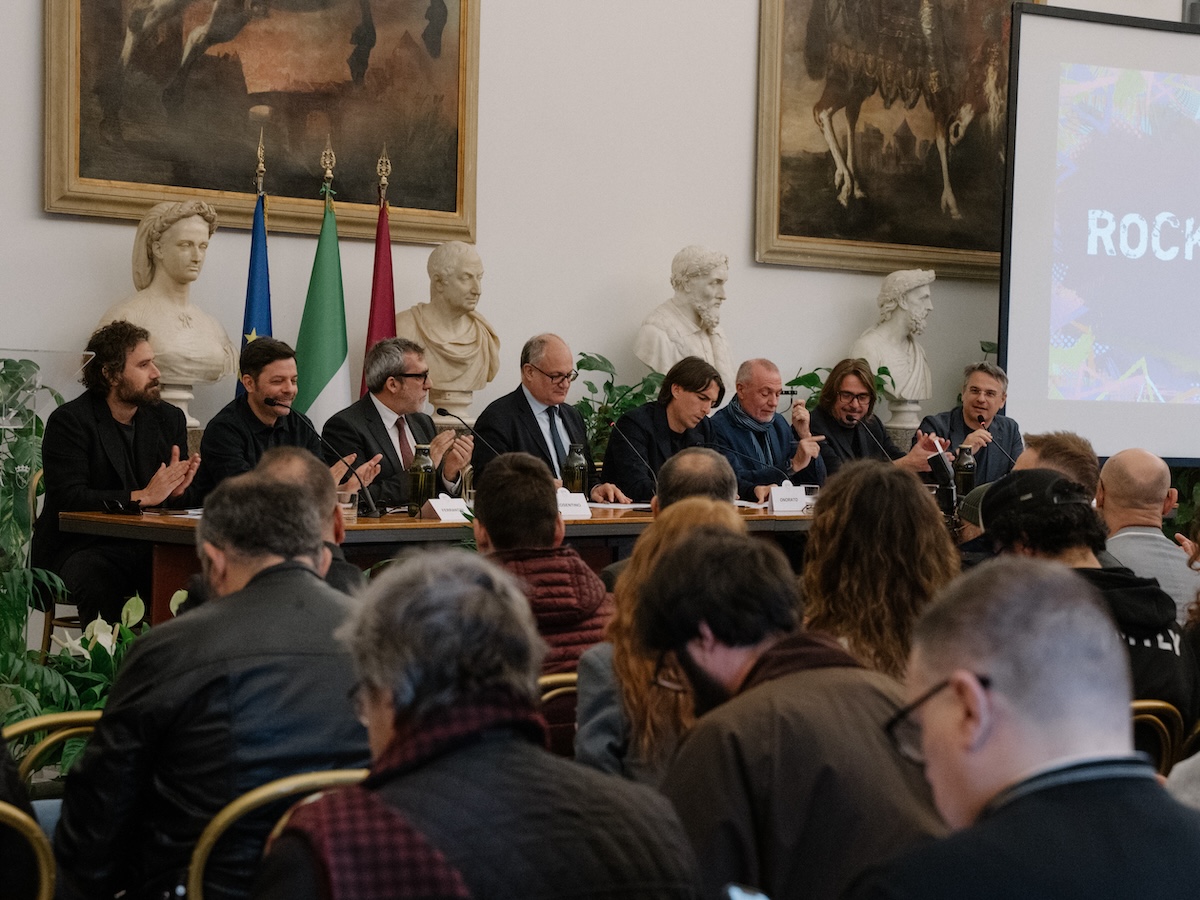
x=904, y=306
x=688, y=324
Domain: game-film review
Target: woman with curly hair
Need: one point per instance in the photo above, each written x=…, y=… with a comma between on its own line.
x=877, y=553
x=633, y=706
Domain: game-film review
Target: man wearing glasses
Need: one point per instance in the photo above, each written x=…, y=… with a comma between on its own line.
x=1019, y=714
x=389, y=423
x=536, y=419
x=844, y=416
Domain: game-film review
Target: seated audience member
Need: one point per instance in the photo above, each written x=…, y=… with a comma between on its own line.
x=518, y=525
x=536, y=419
x=1065, y=452
x=761, y=445
x=1039, y=513
x=634, y=705
x=299, y=467
x=20, y=865
x=262, y=418
x=462, y=800
x=117, y=444
x=877, y=552
x=645, y=438
x=692, y=472
x=247, y=688
x=1019, y=715
x=1134, y=494
x=976, y=423
x=389, y=423
x=787, y=782
x=845, y=418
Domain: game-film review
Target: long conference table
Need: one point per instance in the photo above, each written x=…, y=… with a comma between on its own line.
x=600, y=540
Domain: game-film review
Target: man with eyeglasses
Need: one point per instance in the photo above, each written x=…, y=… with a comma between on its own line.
x=787, y=782
x=389, y=423
x=976, y=422
x=1019, y=714
x=536, y=419
x=845, y=418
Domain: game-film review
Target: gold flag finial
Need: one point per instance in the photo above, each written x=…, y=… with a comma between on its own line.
x=261, y=171
x=328, y=161
x=383, y=169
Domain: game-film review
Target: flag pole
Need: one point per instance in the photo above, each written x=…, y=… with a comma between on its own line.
x=381, y=321
x=256, y=320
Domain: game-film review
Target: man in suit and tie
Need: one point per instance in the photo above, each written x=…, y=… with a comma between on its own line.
x=535, y=419
x=117, y=446
x=388, y=422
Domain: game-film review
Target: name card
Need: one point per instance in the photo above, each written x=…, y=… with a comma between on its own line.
x=446, y=508
x=573, y=506
x=792, y=500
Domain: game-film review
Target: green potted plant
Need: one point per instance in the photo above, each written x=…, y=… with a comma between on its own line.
x=607, y=401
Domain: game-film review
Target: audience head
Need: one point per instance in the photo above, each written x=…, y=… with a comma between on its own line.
x=712, y=592
x=1066, y=453
x=455, y=277
x=1038, y=512
x=695, y=472
x=435, y=629
x=759, y=387
x=547, y=368
x=654, y=690
x=397, y=374
x=984, y=391
x=295, y=465
x=690, y=389
x=516, y=505
x=1135, y=489
x=122, y=364
x=878, y=551
x=251, y=522
x=849, y=392
x=1016, y=666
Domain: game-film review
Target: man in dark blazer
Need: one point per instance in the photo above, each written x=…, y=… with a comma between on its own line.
x=388, y=423
x=535, y=419
x=116, y=447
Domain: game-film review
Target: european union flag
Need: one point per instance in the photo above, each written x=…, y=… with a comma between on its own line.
x=257, y=321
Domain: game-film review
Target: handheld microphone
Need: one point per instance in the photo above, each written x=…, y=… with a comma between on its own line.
x=373, y=512
x=445, y=413
x=637, y=453
x=994, y=443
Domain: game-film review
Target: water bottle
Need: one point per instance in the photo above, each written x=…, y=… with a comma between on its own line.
x=420, y=479
x=574, y=470
x=964, y=472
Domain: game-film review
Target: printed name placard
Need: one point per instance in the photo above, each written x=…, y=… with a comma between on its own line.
x=573, y=506
x=446, y=508
x=792, y=500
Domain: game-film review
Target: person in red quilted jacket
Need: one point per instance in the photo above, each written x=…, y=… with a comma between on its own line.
x=517, y=523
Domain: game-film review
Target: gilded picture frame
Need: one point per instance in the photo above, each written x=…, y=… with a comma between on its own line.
x=128, y=128
x=912, y=70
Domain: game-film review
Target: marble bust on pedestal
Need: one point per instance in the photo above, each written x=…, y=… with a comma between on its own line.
x=904, y=306
x=190, y=346
x=689, y=323
x=462, y=350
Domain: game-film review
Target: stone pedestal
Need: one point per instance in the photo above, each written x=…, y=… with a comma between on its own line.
x=905, y=419
x=181, y=395
x=457, y=402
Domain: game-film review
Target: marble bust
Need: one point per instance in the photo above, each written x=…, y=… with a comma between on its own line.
x=462, y=350
x=904, y=306
x=190, y=346
x=688, y=324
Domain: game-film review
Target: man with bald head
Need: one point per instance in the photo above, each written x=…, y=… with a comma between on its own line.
x=763, y=447
x=1134, y=494
x=536, y=419
x=1018, y=712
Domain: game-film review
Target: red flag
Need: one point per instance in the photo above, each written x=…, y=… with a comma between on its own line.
x=382, y=323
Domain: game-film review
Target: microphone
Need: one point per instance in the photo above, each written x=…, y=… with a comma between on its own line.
x=445, y=413
x=373, y=512
x=994, y=443
x=871, y=435
x=637, y=453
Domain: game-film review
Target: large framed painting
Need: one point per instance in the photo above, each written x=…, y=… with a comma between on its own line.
x=152, y=100
x=881, y=134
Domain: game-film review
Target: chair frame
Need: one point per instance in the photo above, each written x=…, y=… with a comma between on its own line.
x=1165, y=720
x=27, y=827
x=557, y=685
x=61, y=727
x=290, y=786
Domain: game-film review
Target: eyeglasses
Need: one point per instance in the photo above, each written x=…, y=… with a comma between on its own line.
x=850, y=397
x=558, y=378
x=661, y=679
x=905, y=734
x=416, y=376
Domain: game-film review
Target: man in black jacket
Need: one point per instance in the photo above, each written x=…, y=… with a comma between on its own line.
x=247, y=688
x=116, y=447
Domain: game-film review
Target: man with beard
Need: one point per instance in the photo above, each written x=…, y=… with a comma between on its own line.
x=904, y=305
x=976, y=423
x=689, y=323
x=787, y=782
x=115, y=447
x=250, y=687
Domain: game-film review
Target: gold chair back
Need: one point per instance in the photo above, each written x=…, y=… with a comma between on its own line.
x=279, y=789
x=60, y=727
x=29, y=830
x=559, y=694
x=1163, y=722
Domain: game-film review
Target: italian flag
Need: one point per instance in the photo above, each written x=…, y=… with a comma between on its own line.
x=321, y=350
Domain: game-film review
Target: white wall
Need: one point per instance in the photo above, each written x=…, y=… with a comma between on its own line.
x=610, y=135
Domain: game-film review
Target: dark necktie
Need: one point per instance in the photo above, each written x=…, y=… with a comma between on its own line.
x=406, y=450
x=560, y=452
